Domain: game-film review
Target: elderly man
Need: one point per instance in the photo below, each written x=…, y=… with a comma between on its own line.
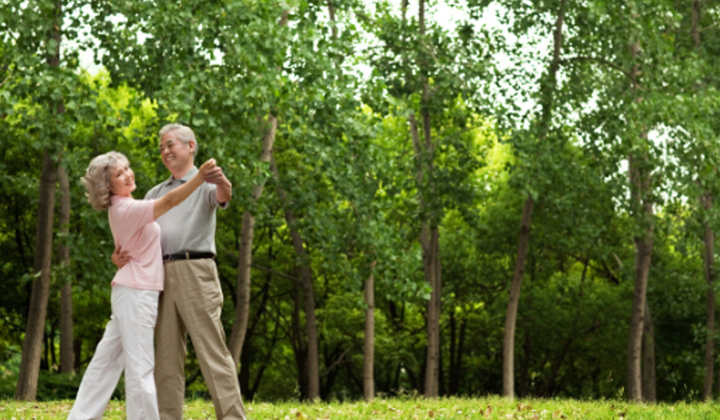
x=192, y=299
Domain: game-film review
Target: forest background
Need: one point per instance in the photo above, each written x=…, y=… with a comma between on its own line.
x=515, y=201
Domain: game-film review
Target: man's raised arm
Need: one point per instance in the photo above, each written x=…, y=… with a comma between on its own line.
x=224, y=187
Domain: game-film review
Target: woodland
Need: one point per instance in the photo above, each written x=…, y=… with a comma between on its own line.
x=433, y=198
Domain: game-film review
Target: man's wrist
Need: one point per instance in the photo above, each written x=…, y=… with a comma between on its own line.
x=223, y=194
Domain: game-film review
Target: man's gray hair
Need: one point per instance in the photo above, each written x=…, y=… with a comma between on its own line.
x=184, y=133
x=97, y=179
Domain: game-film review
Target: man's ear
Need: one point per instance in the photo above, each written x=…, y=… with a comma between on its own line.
x=192, y=147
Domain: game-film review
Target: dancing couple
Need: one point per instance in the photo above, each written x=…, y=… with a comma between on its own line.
x=166, y=284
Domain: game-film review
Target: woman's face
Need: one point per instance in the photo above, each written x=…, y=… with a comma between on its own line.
x=122, y=179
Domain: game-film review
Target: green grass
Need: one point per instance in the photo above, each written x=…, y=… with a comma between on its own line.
x=386, y=409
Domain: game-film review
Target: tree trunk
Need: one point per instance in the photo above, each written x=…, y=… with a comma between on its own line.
x=432, y=276
x=67, y=358
x=643, y=253
x=547, y=94
x=456, y=354
x=640, y=188
x=77, y=349
x=430, y=242
x=718, y=371
x=339, y=58
x=695, y=22
x=33, y=342
x=429, y=236
x=709, y=260
x=247, y=231
x=299, y=344
x=313, y=368
x=511, y=316
x=649, y=382
x=369, y=349
x=306, y=279
x=35, y=329
x=452, y=352
x=242, y=311
x=459, y=358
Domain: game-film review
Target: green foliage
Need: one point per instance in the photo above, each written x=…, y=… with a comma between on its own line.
x=346, y=161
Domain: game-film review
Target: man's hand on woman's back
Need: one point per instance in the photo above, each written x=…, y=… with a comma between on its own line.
x=119, y=257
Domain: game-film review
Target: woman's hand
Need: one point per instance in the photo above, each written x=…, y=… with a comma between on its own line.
x=179, y=194
x=210, y=164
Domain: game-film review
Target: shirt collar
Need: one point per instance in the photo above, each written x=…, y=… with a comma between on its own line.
x=188, y=176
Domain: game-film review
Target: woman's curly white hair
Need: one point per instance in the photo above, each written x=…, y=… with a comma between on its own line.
x=97, y=179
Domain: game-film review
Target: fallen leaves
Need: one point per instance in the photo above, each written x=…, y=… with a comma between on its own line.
x=493, y=408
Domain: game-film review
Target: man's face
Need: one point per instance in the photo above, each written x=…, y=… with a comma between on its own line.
x=176, y=155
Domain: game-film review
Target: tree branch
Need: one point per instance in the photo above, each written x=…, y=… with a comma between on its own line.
x=6, y=79
x=270, y=270
x=339, y=359
x=596, y=60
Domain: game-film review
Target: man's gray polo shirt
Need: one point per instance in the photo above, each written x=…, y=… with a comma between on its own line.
x=189, y=226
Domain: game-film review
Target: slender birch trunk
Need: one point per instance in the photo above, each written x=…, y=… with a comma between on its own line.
x=35, y=329
x=709, y=258
x=548, y=93
x=513, y=302
x=429, y=234
x=306, y=279
x=247, y=231
x=643, y=255
x=67, y=357
x=429, y=241
x=432, y=369
x=34, y=333
x=369, y=348
x=640, y=189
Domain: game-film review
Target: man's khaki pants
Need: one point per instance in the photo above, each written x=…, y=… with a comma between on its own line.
x=191, y=303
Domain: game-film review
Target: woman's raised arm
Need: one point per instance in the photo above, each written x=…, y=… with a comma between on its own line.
x=179, y=194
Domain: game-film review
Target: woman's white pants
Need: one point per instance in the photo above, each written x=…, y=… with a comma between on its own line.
x=126, y=345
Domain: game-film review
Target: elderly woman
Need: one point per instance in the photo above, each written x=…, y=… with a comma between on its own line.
x=128, y=340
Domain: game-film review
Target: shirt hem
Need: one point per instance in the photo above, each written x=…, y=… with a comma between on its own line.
x=138, y=286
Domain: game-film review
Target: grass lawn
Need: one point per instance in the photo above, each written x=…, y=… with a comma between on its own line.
x=386, y=409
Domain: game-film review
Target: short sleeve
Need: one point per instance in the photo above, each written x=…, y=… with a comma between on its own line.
x=136, y=215
x=211, y=197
